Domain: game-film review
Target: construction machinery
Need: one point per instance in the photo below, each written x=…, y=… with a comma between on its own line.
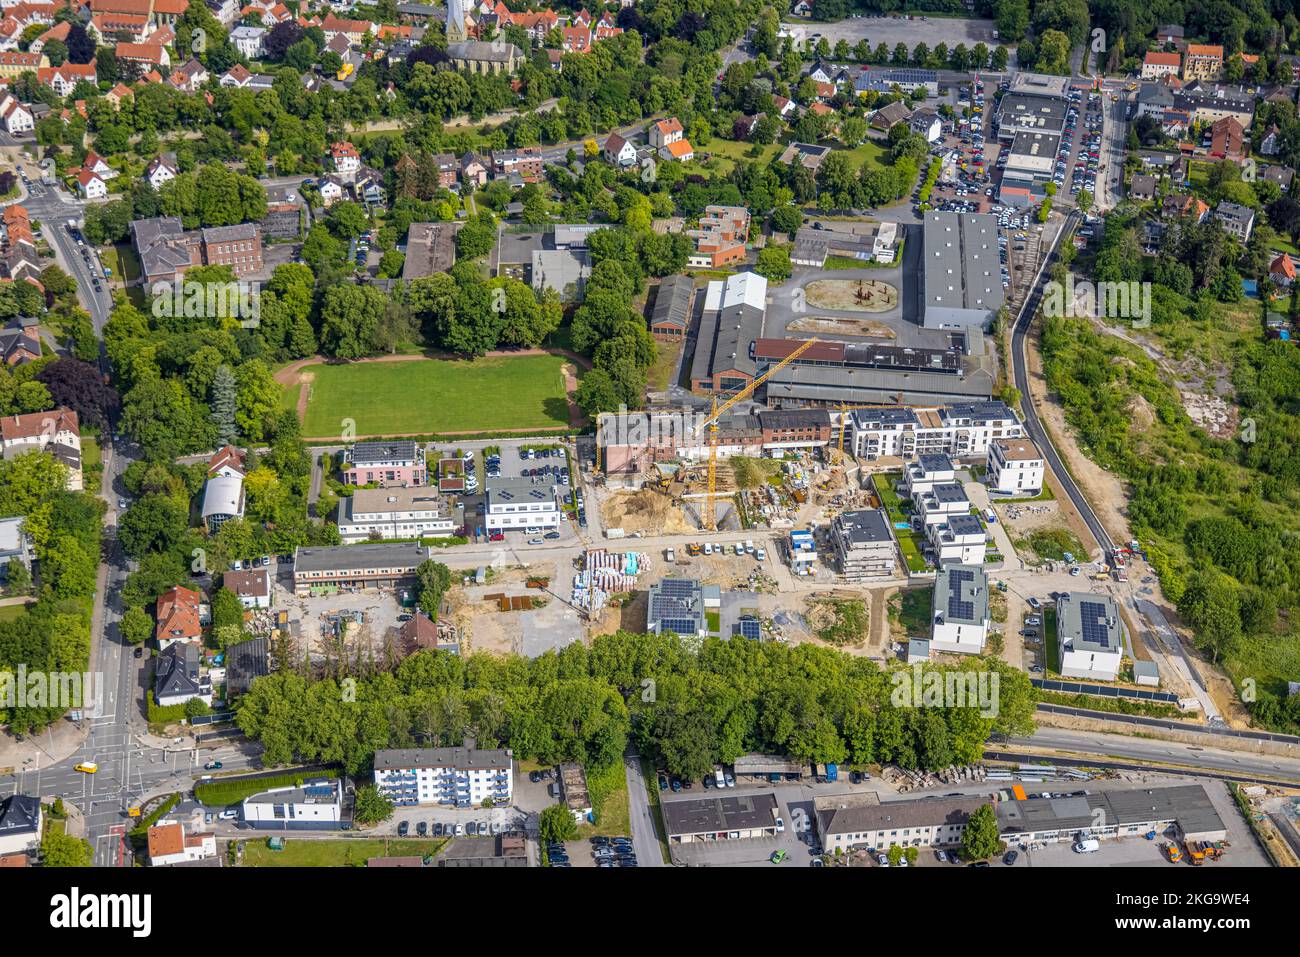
x=1173, y=852
x=710, y=518
x=1202, y=851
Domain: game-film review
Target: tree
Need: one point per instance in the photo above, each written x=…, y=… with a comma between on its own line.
x=349, y=320
x=774, y=263
x=154, y=523
x=556, y=824
x=372, y=806
x=60, y=849
x=80, y=386
x=18, y=579
x=980, y=840
x=136, y=626
x=227, y=609
x=434, y=580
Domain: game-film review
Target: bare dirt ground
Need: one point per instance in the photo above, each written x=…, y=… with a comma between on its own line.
x=826, y=326
x=852, y=295
x=1104, y=489
x=643, y=511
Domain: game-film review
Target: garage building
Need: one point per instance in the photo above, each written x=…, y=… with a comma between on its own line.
x=1113, y=814
x=720, y=818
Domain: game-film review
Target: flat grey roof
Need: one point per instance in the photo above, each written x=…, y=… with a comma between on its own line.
x=713, y=815
x=891, y=815
x=961, y=267
x=935, y=462
x=948, y=492
x=1031, y=111
x=864, y=526
x=358, y=557
x=469, y=759
x=1188, y=804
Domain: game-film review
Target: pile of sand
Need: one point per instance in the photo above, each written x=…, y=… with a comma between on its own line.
x=644, y=511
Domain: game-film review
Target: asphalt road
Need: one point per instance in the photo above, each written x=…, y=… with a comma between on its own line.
x=641, y=814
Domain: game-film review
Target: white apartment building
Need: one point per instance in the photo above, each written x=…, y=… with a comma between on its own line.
x=941, y=502
x=926, y=472
x=1089, y=636
x=1016, y=467
x=415, y=512
x=960, y=540
x=518, y=504
x=464, y=777
x=960, y=619
x=961, y=430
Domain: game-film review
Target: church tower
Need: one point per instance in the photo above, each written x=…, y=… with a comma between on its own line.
x=456, y=21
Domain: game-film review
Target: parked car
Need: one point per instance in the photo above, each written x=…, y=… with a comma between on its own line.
x=422, y=828
x=403, y=828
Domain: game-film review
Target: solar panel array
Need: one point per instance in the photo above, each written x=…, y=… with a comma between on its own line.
x=749, y=628
x=1092, y=618
x=957, y=607
x=1103, y=691
x=673, y=606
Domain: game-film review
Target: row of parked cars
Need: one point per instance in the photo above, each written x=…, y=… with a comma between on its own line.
x=470, y=828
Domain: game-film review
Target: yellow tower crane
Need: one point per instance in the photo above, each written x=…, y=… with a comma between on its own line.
x=710, y=518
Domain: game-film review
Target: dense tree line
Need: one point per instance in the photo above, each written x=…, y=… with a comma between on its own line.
x=688, y=707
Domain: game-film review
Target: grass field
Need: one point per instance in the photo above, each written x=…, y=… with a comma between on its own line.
x=436, y=396
x=12, y=612
x=607, y=789
x=344, y=852
x=908, y=541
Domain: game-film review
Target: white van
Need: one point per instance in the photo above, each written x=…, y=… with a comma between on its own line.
x=1087, y=847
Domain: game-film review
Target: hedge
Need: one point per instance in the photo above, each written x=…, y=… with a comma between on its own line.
x=227, y=791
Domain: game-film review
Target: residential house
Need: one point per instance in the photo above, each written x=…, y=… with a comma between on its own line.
x=14, y=63
x=90, y=185
x=189, y=76
x=161, y=171
x=1202, y=62
x=1142, y=187
x=926, y=123
x=407, y=513
x=64, y=79
x=146, y=54
x=1282, y=271
x=519, y=504
x=56, y=431
x=248, y=40
x=619, y=151
x=1226, y=138
x=177, y=677
x=170, y=844
x=473, y=170
x=887, y=117
x=22, y=823
x=1157, y=64
x=252, y=586
x=1237, y=220
x=315, y=805
x=20, y=341
x=345, y=160
x=177, y=615
x=1270, y=144
x=17, y=119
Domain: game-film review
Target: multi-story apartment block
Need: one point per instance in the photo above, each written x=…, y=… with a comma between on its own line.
x=864, y=544
x=464, y=777
x=940, y=502
x=961, y=539
x=1015, y=467
x=927, y=471
x=387, y=463
x=353, y=567
x=518, y=504
x=961, y=430
x=960, y=610
x=1202, y=62
x=418, y=512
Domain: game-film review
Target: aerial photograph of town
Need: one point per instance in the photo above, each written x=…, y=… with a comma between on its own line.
x=649, y=434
